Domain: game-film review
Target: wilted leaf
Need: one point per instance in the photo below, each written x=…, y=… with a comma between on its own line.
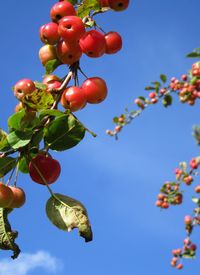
x=67, y=213
x=7, y=236
x=39, y=100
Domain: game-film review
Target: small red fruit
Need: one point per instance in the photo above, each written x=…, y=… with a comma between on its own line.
x=23, y=87
x=61, y=9
x=95, y=90
x=93, y=43
x=118, y=5
x=49, y=33
x=67, y=53
x=19, y=197
x=193, y=164
x=47, y=53
x=71, y=28
x=113, y=42
x=104, y=3
x=73, y=99
x=44, y=167
x=6, y=195
x=188, y=220
x=179, y=266
x=197, y=189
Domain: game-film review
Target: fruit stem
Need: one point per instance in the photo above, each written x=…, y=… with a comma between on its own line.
x=16, y=174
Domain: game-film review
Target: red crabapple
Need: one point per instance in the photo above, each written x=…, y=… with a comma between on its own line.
x=61, y=9
x=19, y=197
x=44, y=167
x=71, y=28
x=49, y=33
x=113, y=42
x=93, y=43
x=118, y=5
x=24, y=87
x=73, y=98
x=6, y=195
x=94, y=89
x=67, y=53
x=47, y=53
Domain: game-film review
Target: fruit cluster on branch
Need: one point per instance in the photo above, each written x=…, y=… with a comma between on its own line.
x=44, y=119
x=187, y=88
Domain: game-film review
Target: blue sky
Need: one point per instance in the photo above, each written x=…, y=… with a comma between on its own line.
x=117, y=181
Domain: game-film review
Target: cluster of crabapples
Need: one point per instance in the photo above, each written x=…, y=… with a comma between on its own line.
x=66, y=38
x=188, y=89
x=170, y=191
x=189, y=248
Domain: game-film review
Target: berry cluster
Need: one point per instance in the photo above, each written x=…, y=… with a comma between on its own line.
x=187, y=89
x=66, y=38
x=172, y=195
x=170, y=191
x=39, y=125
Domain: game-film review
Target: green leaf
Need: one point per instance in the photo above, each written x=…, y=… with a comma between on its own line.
x=18, y=139
x=73, y=2
x=115, y=120
x=189, y=254
x=7, y=236
x=14, y=121
x=6, y=165
x=39, y=100
x=150, y=88
x=51, y=65
x=142, y=98
x=196, y=133
x=4, y=145
x=40, y=85
x=87, y=6
x=23, y=166
x=37, y=138
x=29, y=121
x=23, y=120
x=64, y=133
x=193, y=55
x=183, y=166
x=55, y=113
x=167, y=100
x=67, y=213
x=196, y=200
x=163, y=77
x=156, y=83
